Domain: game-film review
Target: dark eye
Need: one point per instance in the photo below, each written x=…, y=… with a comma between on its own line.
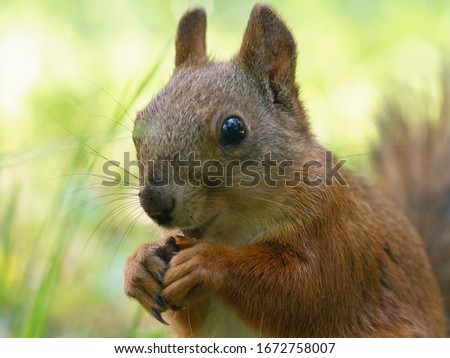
x=232, y=131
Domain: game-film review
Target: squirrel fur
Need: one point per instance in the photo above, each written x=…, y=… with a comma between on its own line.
x=326, y=260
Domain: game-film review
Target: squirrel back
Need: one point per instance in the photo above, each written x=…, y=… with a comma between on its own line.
x=287, y=243
x=412, y=162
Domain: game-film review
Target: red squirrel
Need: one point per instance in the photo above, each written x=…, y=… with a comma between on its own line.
x=330, y=256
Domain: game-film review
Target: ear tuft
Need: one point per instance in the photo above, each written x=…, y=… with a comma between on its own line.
x=190, y=44
x=268, y=50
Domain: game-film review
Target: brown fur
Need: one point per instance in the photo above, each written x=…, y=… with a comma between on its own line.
x=306, y=261
x=412, y=163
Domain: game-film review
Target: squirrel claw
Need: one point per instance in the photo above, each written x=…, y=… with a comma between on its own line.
x=157, y=315
x=158, y=277
x=177, y=309
x=160, y=301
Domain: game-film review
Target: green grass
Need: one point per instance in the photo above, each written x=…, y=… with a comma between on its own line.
x=75, y=207
x=71, y=82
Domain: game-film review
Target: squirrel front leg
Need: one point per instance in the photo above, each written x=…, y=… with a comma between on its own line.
x=262, y=283
x=145, y=270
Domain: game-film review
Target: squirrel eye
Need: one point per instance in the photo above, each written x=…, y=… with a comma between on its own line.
x=232, y=131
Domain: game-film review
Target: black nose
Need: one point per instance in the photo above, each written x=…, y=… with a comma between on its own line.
x=158, y=204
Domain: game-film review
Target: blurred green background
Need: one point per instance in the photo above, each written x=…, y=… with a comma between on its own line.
x=72, y=76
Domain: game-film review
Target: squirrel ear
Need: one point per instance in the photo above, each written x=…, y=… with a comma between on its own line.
x=269, y=51
x=190, y=44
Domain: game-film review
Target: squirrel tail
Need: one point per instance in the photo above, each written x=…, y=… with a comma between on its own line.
x=412, y=165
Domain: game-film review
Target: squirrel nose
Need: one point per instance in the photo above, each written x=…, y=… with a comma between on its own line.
x=158, y=204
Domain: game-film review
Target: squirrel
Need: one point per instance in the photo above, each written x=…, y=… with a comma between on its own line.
x=330, y=256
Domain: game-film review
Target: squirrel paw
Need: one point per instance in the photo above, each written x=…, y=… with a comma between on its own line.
x=191, y=275
x=145, y=270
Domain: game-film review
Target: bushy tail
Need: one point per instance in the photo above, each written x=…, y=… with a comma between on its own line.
x=412, y=163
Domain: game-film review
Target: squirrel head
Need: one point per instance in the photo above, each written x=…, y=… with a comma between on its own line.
x=194, y=136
